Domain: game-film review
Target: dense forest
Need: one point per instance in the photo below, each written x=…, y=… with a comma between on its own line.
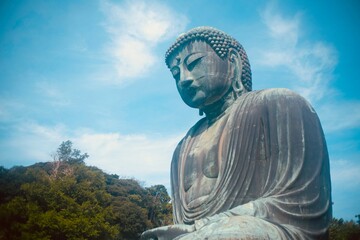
x=66, y=199
x=345, y=230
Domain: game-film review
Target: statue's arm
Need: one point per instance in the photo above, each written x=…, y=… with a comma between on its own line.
x=168, y=232
x=248, y=209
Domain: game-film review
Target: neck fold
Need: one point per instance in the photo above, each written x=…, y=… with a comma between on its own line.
x=216, y=110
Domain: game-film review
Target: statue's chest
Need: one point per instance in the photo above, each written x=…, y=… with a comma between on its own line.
x=203, y=158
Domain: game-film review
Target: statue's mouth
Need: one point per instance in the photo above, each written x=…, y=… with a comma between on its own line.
x=191, y=91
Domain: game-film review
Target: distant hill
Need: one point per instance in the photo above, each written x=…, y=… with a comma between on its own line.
x=65, y=199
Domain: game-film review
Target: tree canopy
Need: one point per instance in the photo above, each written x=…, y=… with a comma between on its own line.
x=344, y=230
x=65, y=199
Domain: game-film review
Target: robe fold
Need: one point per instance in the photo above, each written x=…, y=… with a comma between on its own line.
x=273, y=166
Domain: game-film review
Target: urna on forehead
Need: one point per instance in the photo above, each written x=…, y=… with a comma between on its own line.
x=220, y=42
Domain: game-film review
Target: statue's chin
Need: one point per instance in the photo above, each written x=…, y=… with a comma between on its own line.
x=194, y=104
x=195, y=100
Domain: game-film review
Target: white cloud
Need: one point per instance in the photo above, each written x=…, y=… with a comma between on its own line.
x=340, y=115
x=279, y=28
x=133, y=56
x=30, y=142
x=51, y=93
x=345, y=174
x=311, y=63
x=7, y=106
x=144, y=157
x=135, y=29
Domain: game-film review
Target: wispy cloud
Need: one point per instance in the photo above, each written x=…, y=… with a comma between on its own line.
x=339, y=115
x=135, y=29
x=31, y=142
x=345, y=173
x=51, y=93
x=7, y=107
x=286, y=30
x=345, y=186
x=145, y=157
x=311, y=63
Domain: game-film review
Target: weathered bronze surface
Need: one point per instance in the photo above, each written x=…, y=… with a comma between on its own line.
x=256, y=166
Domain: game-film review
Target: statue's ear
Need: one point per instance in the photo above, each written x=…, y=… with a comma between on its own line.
x=235, y=69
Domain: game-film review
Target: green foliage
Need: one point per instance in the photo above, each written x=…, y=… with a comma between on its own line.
x=65, y=199
x=131, y=217
x=66, y=153
x=358, y=218
x=74, y=205
x=10, y=182
x=344, y=230
x=160, y=209
x=128, y=205
x=136, y=208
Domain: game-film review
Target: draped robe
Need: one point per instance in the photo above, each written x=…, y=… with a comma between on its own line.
x=273, y=169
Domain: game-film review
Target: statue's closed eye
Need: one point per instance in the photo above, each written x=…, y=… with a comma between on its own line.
x=193, y=59
x=192, y=64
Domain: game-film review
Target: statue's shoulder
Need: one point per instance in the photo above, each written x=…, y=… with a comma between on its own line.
x=267, y=96
x=274, y=93
x=261, y=101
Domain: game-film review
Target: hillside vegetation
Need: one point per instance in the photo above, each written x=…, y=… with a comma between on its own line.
x=65, y=199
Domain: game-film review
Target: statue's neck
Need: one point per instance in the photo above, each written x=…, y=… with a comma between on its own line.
x=216, y=110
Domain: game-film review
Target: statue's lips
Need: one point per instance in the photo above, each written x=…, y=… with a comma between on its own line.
x=193, y=88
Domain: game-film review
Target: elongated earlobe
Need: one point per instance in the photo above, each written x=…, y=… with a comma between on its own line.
x=238, y=88
x=236, y=68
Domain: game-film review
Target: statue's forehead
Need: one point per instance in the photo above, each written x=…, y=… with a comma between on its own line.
x=189, y=48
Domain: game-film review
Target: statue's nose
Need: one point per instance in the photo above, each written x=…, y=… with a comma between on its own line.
x=186, y=78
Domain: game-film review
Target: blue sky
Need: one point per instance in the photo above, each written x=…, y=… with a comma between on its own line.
x=93, y=72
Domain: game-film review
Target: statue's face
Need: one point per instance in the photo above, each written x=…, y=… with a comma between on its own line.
x=201, y=76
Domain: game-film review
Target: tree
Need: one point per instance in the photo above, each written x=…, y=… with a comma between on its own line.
x=66, y=153
x=74, y=206
x=159, y=208
x=358, y=219
x=344, y=230
x=131, y=217
x=10, y=182
x=129, y=206
x=65, y=199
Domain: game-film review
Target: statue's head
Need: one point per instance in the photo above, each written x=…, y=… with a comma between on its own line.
x=207, y=65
